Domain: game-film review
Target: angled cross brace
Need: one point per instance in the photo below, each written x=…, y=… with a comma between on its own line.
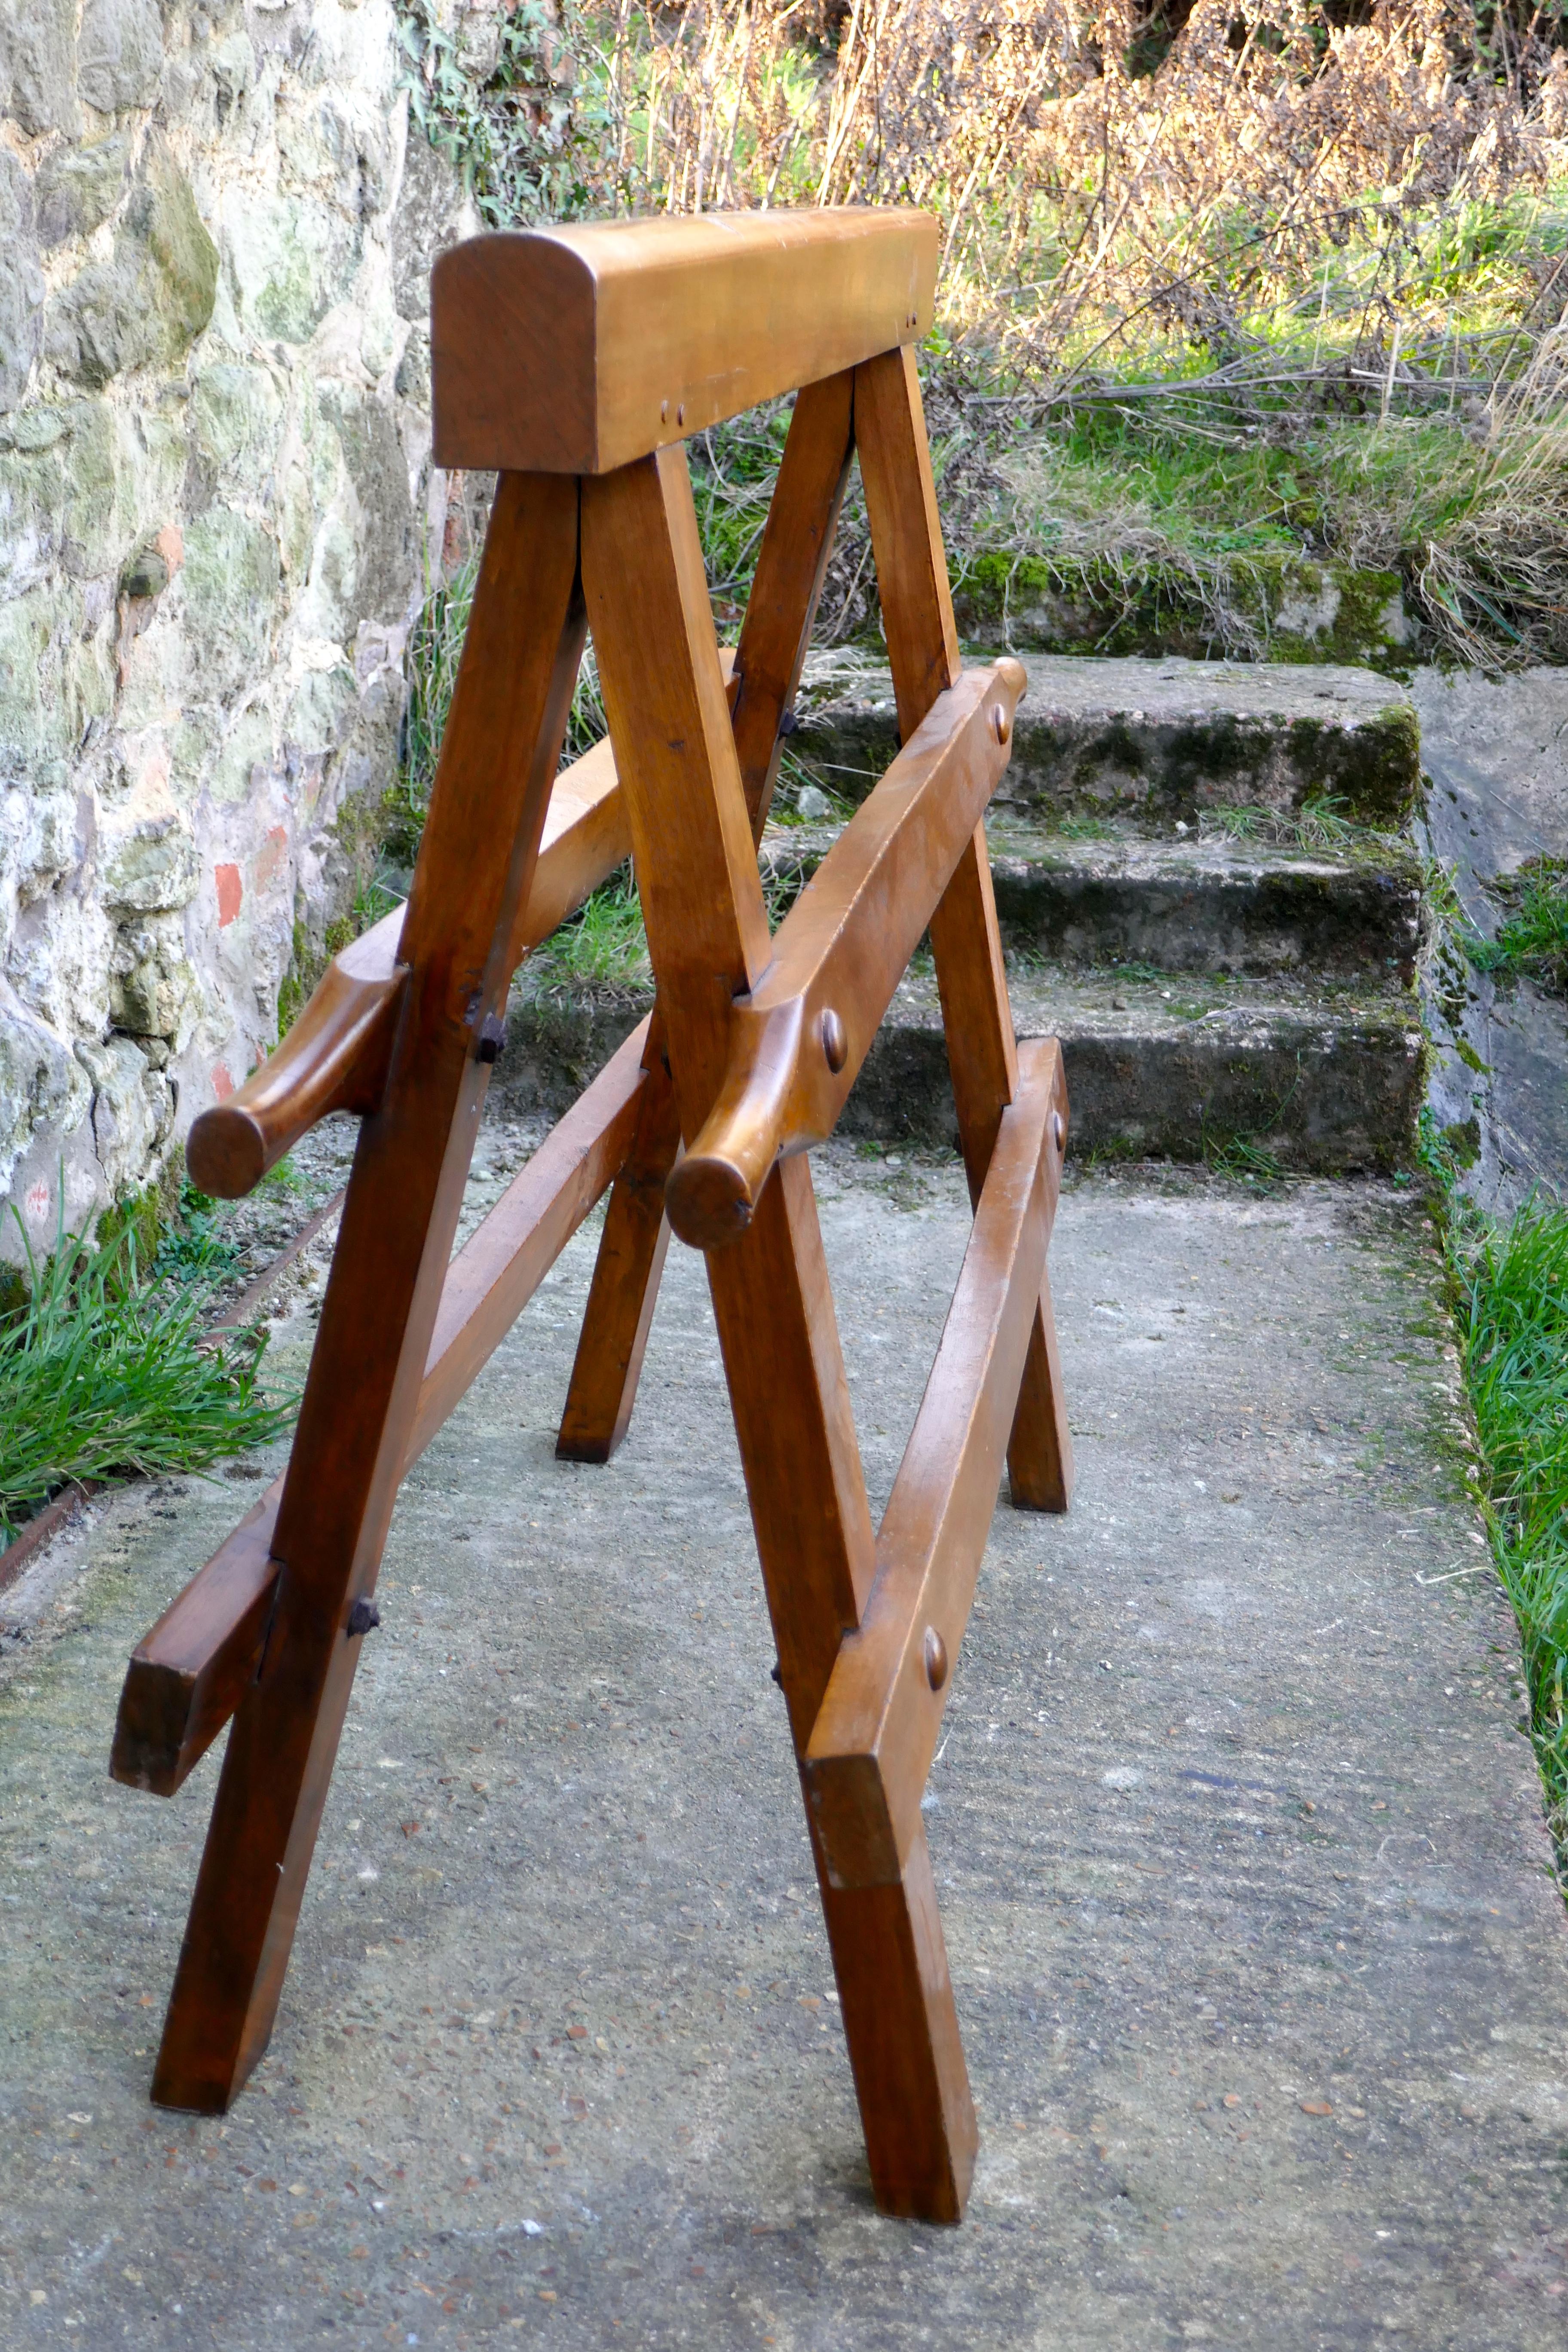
x=660, y=328
x=876, y=1731
x=187, y=1675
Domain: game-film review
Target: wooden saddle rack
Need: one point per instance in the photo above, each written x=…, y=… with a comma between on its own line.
x=575, y=362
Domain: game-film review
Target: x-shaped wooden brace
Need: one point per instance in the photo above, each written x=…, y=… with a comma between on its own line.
x=750, y=1053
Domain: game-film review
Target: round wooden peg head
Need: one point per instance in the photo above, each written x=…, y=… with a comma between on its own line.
x=834, y=1042
x=935, y=1658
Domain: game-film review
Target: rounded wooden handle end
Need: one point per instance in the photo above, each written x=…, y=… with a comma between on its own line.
x=709, y=1200
x=225, y=1152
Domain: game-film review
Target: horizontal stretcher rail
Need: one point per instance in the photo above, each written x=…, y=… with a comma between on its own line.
x=799, y=1040
x=186, y=1675
x=876, y=1731
x=660, y=328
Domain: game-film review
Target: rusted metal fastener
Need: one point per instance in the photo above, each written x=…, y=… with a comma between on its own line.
x=362, y=1617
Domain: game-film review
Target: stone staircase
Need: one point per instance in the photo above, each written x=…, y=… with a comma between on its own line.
x=1206, y=886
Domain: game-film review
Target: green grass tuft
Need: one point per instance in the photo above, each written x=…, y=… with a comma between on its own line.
x=1247, y=1162
x=103, y=1373
x=603, y=945
x=1508, y=1283
x=1534, y=938
x=1510, y=1286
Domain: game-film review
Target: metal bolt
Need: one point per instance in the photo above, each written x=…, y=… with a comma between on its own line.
x=492, y=1037
x=776, y=1673
x=1058, y=1132
x=362, y=1616
x=681, y=414
x=1001, y=725
x=664, y=412
x=936, y=1658
x=788, y=722
x=834, y=1044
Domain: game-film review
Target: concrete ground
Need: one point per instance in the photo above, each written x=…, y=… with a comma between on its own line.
x=1261, y=1971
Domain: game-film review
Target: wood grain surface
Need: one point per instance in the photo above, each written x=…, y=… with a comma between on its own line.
x=658, y=329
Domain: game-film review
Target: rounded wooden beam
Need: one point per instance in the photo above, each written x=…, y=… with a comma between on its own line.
x=798, y=1041
x=659, y=328
x=333, y=1058
x=226, y=1152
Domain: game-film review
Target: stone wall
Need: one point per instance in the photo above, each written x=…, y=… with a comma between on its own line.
x=216, y=509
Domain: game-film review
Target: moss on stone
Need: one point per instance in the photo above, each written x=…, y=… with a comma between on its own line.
x=1277, y=605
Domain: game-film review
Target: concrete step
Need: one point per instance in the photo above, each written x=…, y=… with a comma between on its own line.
x=1154, y=741
x=1322, y=1079
x=1192, y=905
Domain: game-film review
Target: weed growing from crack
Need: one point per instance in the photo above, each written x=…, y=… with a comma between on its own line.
x=1533, y=940
x=1321, y=822
x=1247, y=1160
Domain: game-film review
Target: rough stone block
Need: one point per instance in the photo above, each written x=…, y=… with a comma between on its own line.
x=1157, y=742
x=231, y=596
x=120, y=53
x=38, y=64
x=152, y=298
x=290, y=259
x=236, y=418
x=21, y=281
x=40, y=1082
x=152, y=867
x=133, y=1112
x=155, y=989
x=79, y=187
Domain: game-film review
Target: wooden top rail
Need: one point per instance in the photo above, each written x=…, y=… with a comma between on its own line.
x=797, y=1042
x=575, y=351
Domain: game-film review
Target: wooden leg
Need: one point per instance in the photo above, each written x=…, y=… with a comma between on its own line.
x=497, y=762
x=793, y=1416
x=890, y=1964
x=972, y=979
x=798, y=540
x=1040, y=1452
x=687, y=807
x=982, y=1058
x=624, y=1288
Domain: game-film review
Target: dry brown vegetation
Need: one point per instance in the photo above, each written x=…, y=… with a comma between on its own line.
x=1086, y=183
x=1220, y=286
